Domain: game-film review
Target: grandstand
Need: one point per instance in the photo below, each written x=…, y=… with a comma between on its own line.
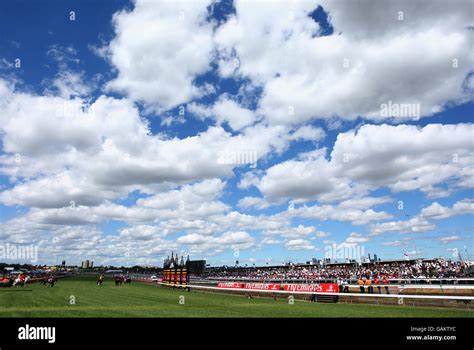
x=417, y=282
x=393, y=269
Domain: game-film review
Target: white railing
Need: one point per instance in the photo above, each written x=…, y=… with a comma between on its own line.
x=397, y=296
x=434, y=286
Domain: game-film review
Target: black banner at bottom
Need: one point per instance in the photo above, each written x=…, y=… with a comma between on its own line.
x=351, y=333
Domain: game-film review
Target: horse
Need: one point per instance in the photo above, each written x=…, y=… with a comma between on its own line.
x=118, y=280
x=6, y=282
x=100, y=280
x=21, y=282
x=49, y=281
x=17, y=282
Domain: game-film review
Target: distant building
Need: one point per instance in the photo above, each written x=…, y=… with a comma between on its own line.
x=86, y=264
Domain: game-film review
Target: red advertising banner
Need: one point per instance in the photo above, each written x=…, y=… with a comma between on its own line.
x=317, y=288
x=311, y=288
x=262, y=286
x=229, y=285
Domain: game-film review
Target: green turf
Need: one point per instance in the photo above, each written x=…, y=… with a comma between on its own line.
x=142, y=300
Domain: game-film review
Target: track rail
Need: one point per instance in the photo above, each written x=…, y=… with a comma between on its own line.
x=364, y=295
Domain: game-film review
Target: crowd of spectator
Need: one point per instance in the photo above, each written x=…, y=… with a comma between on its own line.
x=416, y=269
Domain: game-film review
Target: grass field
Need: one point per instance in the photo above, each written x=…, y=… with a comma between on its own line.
x=142, y=300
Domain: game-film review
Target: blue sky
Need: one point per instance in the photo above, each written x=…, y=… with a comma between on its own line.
x=235, y=130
